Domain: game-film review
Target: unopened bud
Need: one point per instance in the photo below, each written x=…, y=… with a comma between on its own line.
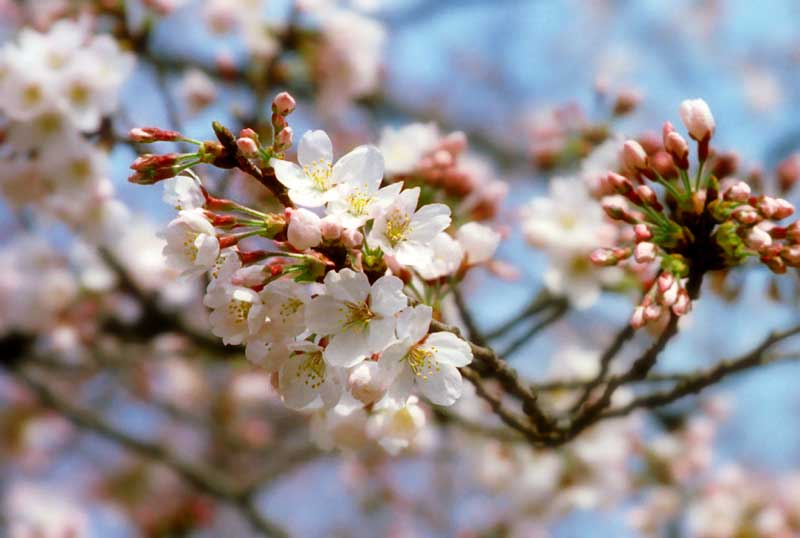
x=665, y=281
x=283, y=104
x=652, y=312
x=725, y=164
x=352, y=238
x=678, y=149
x=791, y=255
x=670, y=295
x=788, y=172
x=365, y=383
x=247, y=146
x=746, y=215
x=648, y=196
x=627, y=100
x=682, y=304
x=737, y=192
x=637, y=318
x=331, y=230
x=644, y=252
x=147, y=135
x=304, y=229
x=793, y=232
x=634, y=156
x=697, y=117
x=642, y=232
x=619, y=183
x=757, y=239
x=283, y=140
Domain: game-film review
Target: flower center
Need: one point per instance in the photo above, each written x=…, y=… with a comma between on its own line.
x=189, y=247
x=290, y=307
x=397, y=226
x=239, y=310
x=358, y=202
x=358, y=316
x=422, y=362
x=312, y=369
x=319, y=172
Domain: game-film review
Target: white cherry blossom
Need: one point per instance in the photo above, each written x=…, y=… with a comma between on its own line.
x=183, y=193
x=314, y=181
x=276, y=320
x=359, y=318
x=478, y=241
x=305, y=376
x=446, y=257
x=428, y=364
x=192, y=245
x=396, y=427
x=405, y=232
x=232, y=317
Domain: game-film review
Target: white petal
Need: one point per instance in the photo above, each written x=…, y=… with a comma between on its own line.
x=325, y=315
x=442, y=387
x=306, y=196
x=449, y=349
x=387, y=297
x=361, y=168
x=429, y=221
x=380, y=334
x=413, y=323
x=413, y=253
x=288, y=173
x=391, y=362
x=347, y=349
x=315, y=146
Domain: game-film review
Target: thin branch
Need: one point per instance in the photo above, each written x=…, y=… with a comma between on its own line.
x=559, y=309
x=203, y=478
x=542, y=301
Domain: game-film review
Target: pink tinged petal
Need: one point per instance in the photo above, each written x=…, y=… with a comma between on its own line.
x=348, y=286
x=325, y=315
x=449, y=349
x=288, y=173
x=347, y=349
x=314, y=146
x=428, y=222
x=413, y=323
x=443, y=386
x=387, y=297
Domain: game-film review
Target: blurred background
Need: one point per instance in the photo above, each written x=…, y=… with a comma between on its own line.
x=534, y=85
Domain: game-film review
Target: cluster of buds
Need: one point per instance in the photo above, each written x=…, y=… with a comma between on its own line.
x=244, y=151
x=691, y=227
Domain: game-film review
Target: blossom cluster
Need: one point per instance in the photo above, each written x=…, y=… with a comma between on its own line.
x=339, y=305
x=699, y=224
x=55, y=87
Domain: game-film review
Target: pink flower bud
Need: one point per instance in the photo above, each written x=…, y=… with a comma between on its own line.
x=283, y=140
x=454, y=143
x=791, y=255
x=652, y=312
x=603, y=257
x=247, y=146
x=785, y=209
x=683, y=304
x=304, y=229
x=670, y=295
x=365, y=383
x=644, y=252
x=619, y=183
x=746, y=215
x=665, y=281
x=352, y=238
x=637, y=319
x=331, y=230
x=147, y=135
x=634, y=156
x=648, y=196
x=642, y=232
x=757, y=239
x=678, y=148
x=793, y=232
x=283, y=104
x=737, y=192
x=697, y=117
x=442, y=158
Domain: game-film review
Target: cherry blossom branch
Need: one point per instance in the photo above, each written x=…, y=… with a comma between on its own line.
x=558, y=308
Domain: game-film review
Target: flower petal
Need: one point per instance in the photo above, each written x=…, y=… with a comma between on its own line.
x=449, y=349
x=387, y=297
x=314, y=146
x=347, y=286
x=362, y=168
x=442, y=387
